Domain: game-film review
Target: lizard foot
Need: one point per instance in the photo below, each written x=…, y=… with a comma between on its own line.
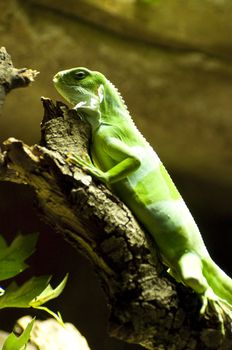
x=211, y=301
x=83, y=161
x=87, y=166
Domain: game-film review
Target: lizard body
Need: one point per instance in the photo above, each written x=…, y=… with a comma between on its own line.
x=126, y=163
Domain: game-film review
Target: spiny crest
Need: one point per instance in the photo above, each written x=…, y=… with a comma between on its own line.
x=128, y=113
x=118, y=93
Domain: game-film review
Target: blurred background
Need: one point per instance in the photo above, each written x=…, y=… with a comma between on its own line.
x=171, y=61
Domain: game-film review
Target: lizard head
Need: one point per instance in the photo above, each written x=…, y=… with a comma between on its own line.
x=80, y=86
x=92, y=94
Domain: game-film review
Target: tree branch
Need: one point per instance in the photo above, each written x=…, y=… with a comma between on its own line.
x=147, y=306
x=10, y=77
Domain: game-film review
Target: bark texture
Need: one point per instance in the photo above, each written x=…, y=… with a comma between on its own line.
x=147, y=306
x=10, y=77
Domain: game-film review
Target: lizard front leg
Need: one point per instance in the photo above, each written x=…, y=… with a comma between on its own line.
x=125, y=162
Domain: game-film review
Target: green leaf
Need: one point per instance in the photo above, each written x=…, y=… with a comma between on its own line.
x=33, y=293
x=21, y=296
x=16, y=343
x=12, y=257
x=49, y=293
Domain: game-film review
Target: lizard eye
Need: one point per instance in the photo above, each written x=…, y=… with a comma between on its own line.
x=80, y=75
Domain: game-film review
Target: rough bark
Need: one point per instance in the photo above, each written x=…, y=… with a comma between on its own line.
x=10, y=77
x=147, y=306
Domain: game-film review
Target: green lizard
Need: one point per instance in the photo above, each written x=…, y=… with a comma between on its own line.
x=125, y=162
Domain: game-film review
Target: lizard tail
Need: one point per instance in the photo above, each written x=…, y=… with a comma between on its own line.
x=218, y=280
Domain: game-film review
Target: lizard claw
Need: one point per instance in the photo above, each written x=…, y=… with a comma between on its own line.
x=77, y=160
x=86, y=165
x=219, y=306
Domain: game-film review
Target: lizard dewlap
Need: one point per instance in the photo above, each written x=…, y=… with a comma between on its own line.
x=124, y=160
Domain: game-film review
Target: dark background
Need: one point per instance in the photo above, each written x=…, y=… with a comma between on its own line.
x=176, y=78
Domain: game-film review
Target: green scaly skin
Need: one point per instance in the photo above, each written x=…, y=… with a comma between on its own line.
x=126, y=163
